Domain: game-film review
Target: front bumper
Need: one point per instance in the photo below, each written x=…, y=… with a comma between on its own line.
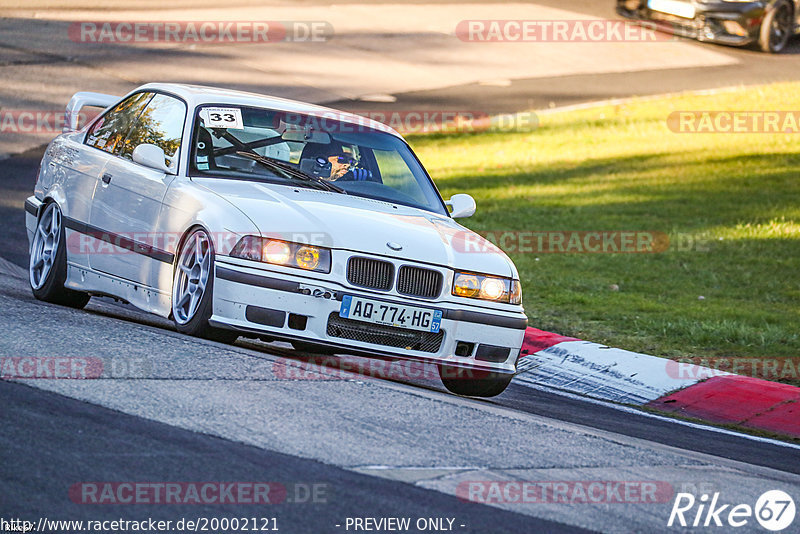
x=730, y=23
x=291, y=307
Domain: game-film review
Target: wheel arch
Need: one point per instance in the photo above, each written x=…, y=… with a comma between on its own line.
x=46, y=201
x=54, y=195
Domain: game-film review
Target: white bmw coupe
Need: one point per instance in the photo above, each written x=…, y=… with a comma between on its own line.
x=237, y=214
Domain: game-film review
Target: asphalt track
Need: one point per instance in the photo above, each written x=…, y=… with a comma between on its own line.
x=381, y=448
x=751, y=67
x=76, y=441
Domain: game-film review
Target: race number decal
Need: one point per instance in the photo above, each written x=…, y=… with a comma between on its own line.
x=222, y=118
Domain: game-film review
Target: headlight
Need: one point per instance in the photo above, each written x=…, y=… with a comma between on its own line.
x=307, y=257
x=466, y=285
x=277, y=252
x=478, y=286
x=493, y=288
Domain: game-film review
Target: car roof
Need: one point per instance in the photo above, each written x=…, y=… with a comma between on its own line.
x=196, y=95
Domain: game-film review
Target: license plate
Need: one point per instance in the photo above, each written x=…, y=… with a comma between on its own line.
x=386, y=314
x=672, y=7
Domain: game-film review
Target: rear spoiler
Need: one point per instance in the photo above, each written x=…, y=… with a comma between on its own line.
x=81, y=100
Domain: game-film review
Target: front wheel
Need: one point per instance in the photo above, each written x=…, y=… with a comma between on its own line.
x=193, y=289
x=473, y=382
x=777, y=28
x=47, y=270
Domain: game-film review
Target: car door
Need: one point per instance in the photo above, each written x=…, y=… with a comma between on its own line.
x=77, y=165
x=127, y=200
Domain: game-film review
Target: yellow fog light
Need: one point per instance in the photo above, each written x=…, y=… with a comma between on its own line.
x=492, y=288
x=277, y=252
x=734, y=28
x=466, y=285
x=307, y=257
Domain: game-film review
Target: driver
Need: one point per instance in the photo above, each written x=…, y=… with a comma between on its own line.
x=342, y=164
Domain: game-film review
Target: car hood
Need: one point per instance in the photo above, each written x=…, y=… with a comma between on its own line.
x=360, y=224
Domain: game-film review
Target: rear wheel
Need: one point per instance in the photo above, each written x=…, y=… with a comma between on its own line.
x=47, y=270
x=777, y=28
x=193, y=289
x=473, y=382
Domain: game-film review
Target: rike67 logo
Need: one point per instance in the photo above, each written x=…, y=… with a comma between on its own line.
x=774, y=510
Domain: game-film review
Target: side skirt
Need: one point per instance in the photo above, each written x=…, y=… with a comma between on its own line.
x=145, y=298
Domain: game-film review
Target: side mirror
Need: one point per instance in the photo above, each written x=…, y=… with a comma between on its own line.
x=461, y=206
x=150, y=156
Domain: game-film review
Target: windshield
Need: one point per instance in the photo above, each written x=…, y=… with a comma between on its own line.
x=360, y=160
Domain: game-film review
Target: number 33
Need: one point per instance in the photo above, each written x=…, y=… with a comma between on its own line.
x=226, y=117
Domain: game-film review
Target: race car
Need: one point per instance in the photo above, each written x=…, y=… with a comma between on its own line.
x=769, y=23
x=237, y=214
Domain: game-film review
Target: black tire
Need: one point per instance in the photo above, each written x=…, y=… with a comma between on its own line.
x=473, y=382
x=777, y=28
x=197, y=324
x=52, y=289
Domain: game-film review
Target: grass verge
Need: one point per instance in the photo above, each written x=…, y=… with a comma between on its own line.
x=728, y=286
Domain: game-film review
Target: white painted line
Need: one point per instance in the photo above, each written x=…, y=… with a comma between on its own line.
x=637, y=411
x=420, y=468
x=635, y=99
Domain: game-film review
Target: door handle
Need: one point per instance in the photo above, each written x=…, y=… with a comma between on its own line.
x=106, y=178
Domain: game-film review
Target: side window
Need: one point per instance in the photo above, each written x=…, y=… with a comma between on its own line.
x=160, y=124
x=110, y=130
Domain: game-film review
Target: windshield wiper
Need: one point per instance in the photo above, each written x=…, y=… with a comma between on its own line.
x=287, y=171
